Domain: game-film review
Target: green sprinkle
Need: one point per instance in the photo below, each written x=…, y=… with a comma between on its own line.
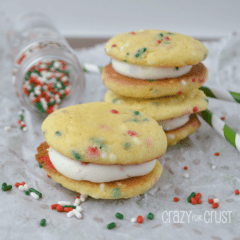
x=111, y=225
x=72, y=206
x=40, y=165
x=119, y=215
x=21, y=128
x=136, y=113
x=27, y=192
x=84, y=69
x=177, y=68
x=62, y=96
x=151, y=80
x=150, y=216
x=116, y=193
x=99, y=143
x=6, y=187
x=161, y=35
x=193, y=194
x=125, y=60
x=75, y=154
x=43, y=222
x=4, y=184
x=128, y=53
x=114, y=100
x=170, y=33
x=22, y=117
x=126, y=145
x=146, y=120
x=39, y=106
x=140, y=52
x=58, y=133
x=35, y=191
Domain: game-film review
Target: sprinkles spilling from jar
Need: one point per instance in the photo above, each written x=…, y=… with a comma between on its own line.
x=47, y=84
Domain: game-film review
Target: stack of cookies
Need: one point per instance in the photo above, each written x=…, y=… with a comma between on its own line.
x=158, y=73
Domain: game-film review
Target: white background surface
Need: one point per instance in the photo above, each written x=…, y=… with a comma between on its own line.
x=94, y=18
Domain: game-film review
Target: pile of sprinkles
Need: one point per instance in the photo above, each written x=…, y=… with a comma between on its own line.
x=194, y=198
x=21, y=121
x=25, y=188
x=47, y=84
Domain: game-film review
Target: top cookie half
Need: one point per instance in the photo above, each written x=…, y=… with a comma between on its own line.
x=156, y=48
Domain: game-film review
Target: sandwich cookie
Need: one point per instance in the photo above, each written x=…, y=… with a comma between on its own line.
x=102, y=150
x=176, y=114
x=154, y=63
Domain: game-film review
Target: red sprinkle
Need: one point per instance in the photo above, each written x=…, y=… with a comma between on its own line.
x=114, y=45
x=185, y=168
x=223, y=118
x=195, y=109
x=68, y=209
x=198, y=195
x=158, y=41
x=237, y=192
x=133, y=33
x=59, y=208
x=216, y=153
x=114, y=111
x=167, y=38
x=77, y=197
x=176, y=199
x=193, y=200
x=54, y=206
x=215, y=205
x=132, y=133
x=179, y=93
x=49, y=176
x=139, y=219
x=210, y=200
x=199, y=201
x=17, y=184
x=194, y=80
x=85, y=163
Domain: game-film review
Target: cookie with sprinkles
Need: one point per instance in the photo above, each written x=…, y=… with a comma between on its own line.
x=176, y=114
x=102, y=150
x=154, y=63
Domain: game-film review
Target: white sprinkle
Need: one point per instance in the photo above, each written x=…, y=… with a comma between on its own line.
x=44, y=103
x=58, y=100
x=64, y=78
x=22, y=122
x=26, y=187
x=83, y=197
x=112, y=157
x=70, y=214
x=25, y=129
x=7, y=128
x=28, y=87
x=184, y=82
x=31, y=95
x=42, y=79
x=62, y=203
x=59, y=85
x=136, y=140
x=171, y=136
x=57, y=64
x=21, y=188
x=214, y=167
x=77, y=201
x=127, y=44
x=186, y=175
x=67, y=88
x=77, y=213
x=37, y=92
x=102, y=186
x=34, y=74
x=122, y=48
x=133, y=220
x=79, y=209
x=104, y=155
x=216, y=200
x=34, y=195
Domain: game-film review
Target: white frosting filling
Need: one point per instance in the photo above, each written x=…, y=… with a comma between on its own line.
x=95, y=172
x=174, y=123
x=148, y=72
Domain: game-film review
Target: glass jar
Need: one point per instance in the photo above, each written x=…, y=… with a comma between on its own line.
x=46, y=71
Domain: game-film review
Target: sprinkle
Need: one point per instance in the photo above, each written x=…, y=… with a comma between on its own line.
x=114, y=45
x=166, y=38
x=195, y=109
x=210, y=200
x=216, y=153
x=158, y=41
x=77, y=213
x=59, y=208
x=139, y=219
x=216, y=200
x=214, y=167
x=237, y=192
x=193, y=194
x=193, y=200
x=198, y=196
x=70, y=214
x=215, y=205
x=175, y=199
x=21, y=188
x=111, y=225
x=53, y=206
x=119, y=215
x=6, y=187
x=34, y=195
x=27, y=192
x=62, y=203
x=102, y=186
x=8, y=128
x=40, y=165
x=185, y=168
x=67, y=209
x=136, y=140
x=79, y=209
x=35, y=191
x=194, y=80
x=132, y=133
x=170, y=136
x=223, y=118
x=177, y=68
x=199, y=201
x=43, y=222
x=114, y=111
x=184, y=82
x=179, y=93
x=134, y=220
x=140, y=52
x=150, y=216
x=186, y=175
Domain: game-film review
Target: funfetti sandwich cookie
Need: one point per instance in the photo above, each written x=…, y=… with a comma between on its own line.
x=102, y=150
x=154, y=63
x=176, y=114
